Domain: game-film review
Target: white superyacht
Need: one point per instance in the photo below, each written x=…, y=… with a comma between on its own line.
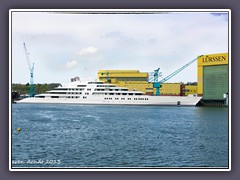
x=99, y=93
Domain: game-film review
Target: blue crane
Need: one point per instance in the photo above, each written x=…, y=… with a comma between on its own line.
x=157, y=84
x=31, y=69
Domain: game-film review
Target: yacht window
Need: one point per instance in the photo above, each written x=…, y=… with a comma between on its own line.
x=89, y=89
x=54, y=96
x=81, y=85
x=124, y=93
x=95, y=83
x=111, y=93
x=63, y=89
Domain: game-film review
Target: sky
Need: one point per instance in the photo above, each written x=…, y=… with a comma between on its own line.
x=66, y=45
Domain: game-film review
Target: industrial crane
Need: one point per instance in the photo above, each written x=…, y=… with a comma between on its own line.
x=31, y=69
x=157, y=84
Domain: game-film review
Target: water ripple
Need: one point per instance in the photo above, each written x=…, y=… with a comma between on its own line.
x=120, y=136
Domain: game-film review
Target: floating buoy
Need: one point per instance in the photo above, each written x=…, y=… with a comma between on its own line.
x=18, y=129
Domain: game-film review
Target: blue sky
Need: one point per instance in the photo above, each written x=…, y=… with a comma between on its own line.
x=63, y=46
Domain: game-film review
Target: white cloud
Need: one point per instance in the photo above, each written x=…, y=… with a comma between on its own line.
x=87, y=51
x=71, y=64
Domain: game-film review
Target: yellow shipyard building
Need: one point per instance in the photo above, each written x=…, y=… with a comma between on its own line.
x=171, y=89
x=190, y=89
x=213, y=76
x=135, y=80
x=132, y=79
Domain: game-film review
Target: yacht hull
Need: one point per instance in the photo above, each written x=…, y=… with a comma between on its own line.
x=116, y=100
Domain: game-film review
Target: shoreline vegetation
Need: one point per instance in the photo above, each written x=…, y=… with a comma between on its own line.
x=19, y=90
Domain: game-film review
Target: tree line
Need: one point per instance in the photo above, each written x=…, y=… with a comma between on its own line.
x=38, y=88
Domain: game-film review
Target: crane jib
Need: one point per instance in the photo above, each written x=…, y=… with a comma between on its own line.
x=157, y=84
x=31, y=69
x=178, y=70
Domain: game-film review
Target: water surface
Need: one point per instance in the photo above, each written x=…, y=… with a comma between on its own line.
x=118, y=136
